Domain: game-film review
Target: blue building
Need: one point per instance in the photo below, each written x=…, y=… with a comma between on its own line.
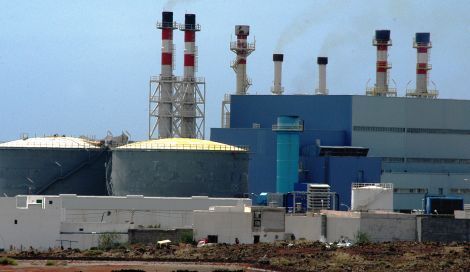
x=422, y=146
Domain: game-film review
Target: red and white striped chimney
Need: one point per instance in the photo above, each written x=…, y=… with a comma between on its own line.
x=422, y=43
x=277, y=88
x=165, y=102
x=322, y=62
x=382, y=42
x=188, y=122
x=243, y=49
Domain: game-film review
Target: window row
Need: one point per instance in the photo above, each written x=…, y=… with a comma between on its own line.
x=412, y=130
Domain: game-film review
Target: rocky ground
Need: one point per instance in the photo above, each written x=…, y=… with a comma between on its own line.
x=280, y=256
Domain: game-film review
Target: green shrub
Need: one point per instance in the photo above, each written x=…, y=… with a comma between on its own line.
x=50, y=263
x=187, y=237
x=362, y=238
x=108, y=241
x=7, y=261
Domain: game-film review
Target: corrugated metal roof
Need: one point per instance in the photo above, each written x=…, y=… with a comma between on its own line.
x=182, y=144
x=51, y=142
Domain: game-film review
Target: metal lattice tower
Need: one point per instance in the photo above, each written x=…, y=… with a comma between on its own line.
x=177, y=104
x=161, y=114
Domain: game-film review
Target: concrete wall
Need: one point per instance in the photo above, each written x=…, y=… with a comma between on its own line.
x=146, y=236
x=226, y=225
x=342, y=225
x=443, y=229
x=304, y=227
x=82, y=219
x=382, y=227
x=85, y=235
x=37, y=225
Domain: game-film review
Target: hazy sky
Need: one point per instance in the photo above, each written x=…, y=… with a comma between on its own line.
x=82, y=67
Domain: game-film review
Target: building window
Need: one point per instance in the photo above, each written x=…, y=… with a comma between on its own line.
x=460, y=191
x=50, y=202
x=410, y=190
x=16, y=221
x=212, y=239
x=379, y=129
x=80, y=229
x=438, y=131
x=412, y=130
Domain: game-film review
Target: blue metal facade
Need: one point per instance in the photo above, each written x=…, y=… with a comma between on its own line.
x=424, y=144
x=327, y=121
x=323, y=113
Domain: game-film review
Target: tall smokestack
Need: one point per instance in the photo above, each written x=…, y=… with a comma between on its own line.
x=165, y=107
x=422, y=43
x=382, y=41
x=277, y=89
x=322, y=62
x=188, y=113
x=243, y=49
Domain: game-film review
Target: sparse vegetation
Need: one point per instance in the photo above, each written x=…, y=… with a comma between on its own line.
x=50, y=263
x=187, y=238
x=7, y=261
x=108, y=241
x=287, y=256
x=362, y=238
x=93, y=252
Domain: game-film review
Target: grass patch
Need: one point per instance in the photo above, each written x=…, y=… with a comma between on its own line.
x=51, y=263
x=7, y=261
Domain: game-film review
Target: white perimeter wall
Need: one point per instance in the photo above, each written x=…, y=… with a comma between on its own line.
x=226, y=225
x=304, y=227
x=36, y=227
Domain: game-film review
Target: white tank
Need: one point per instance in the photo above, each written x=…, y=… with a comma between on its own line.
x=372, y=196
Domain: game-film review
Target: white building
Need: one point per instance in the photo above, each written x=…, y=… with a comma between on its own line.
x=44, y=222
x=248, y=224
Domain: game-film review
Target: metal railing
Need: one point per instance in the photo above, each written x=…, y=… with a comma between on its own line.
x=48, y=144
x=381, y=185
x=200, y=147
x=190, y=27
x=242, y=46
x=173, y=25
x=288, y=127
x=177, y=79
x=374, y=91
x=427, y=94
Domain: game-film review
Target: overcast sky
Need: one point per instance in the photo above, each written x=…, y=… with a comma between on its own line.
x=82, y=67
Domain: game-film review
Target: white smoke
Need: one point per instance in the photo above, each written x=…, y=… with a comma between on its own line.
x=297, y=27
x=171, y=4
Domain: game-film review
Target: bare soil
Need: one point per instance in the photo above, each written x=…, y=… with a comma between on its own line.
x=280, y=256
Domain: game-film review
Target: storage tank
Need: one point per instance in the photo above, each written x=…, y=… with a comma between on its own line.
x=52, y=165
x=372, y=196
x=179, y=167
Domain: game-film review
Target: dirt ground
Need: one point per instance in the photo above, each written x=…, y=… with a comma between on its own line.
x=280, y=256
x=115, y=266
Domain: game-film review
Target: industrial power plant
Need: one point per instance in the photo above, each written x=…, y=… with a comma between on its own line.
x=280, y=166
